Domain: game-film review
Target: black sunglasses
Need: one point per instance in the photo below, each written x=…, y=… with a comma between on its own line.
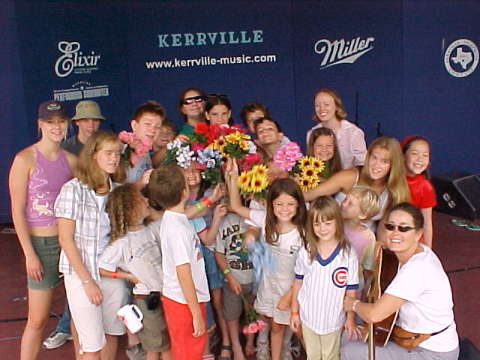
x=401, y=228
x=191, y=100
x=213, y=96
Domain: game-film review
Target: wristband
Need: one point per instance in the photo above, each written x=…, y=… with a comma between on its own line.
x=206, y=201
x=354, y=304
x=199, y=206
x=84, y=282
x=294, y=313
x=114, y=275
x=226, y=271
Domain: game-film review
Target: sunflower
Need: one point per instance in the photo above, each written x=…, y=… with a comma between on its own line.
x=218, y=145
x=318, y=165
x=243, y=180
x=308, y=183
x=234, y=138
x=243, y=145
x=305, y=161
x=258, y=183
x=260, y=170
x=308, y=172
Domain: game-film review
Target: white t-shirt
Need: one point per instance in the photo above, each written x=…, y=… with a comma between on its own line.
x=229, y=242
x=290, y=241
x=104, y=235
x=138, y=253
x=325, y=282
x=429, y=307
x=181, y=245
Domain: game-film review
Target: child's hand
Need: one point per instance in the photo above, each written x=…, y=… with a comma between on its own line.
x=182, y=138
x=220, y=211
x=295, y=323
x=133, y=279
x=219, y=192
x=234, y=285
x=198, y=325
x=285, y=302
x=351, y=328
x=145, y=178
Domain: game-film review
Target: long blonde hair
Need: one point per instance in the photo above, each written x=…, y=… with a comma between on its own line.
x=396, y=182
x=324, y=208
x=88, y=171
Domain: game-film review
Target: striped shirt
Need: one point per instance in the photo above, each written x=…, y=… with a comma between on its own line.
x=77, y=202
x=325, y=282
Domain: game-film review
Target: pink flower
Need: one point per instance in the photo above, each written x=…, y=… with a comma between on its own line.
x=261, y=324
x=126, y=137
x=287, y=155
x=245, y=330
x=253, y=328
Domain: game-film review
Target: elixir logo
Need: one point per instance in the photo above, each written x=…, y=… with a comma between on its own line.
x=342, y=51
x=461, y=58
x=74, y=60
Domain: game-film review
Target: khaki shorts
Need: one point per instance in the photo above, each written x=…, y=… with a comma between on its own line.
x=232, y=303
x=48, y=251
x=91, y=321
x=154, y=335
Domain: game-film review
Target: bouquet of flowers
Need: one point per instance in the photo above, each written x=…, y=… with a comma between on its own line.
x=253, y=322
x=308, y=170
x=135, y=148
x=254, y=182
x=210, y=161
x=287, y=155
x=180, y=153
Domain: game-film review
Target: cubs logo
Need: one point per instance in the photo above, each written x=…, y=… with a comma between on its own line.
x=339, y=277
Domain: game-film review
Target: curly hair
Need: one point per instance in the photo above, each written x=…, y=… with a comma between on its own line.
x=122, y=208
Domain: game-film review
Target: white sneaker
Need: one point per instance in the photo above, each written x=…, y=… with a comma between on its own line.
x=56, y=339
x=263, y=352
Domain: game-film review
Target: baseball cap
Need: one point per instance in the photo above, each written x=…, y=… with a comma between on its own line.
x=51, y=108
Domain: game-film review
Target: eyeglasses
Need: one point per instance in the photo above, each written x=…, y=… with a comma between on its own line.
x=191, y=100
x=401, y=228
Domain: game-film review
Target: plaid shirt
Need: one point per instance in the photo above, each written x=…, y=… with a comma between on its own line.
x=76, y=201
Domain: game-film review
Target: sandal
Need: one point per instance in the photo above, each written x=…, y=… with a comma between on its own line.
x=226, y=348
x=473, y=227
x=459, y=222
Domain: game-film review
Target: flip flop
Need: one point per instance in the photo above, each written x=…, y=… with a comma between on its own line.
x=459, y=222
x=473, y=227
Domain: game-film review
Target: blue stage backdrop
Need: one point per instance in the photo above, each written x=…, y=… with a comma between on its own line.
x=400, y=66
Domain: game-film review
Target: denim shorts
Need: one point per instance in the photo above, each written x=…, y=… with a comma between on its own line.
x=214, y=276
x=47, y=249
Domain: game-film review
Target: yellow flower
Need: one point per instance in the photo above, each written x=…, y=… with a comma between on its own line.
x=305, y=161
x=243, y=145
x=309, y=173
x=234, y=137
x=308, y=183
x=318, y=165
x=258, y=183
x=218, y=144
x=260, y=170
x=243, y=180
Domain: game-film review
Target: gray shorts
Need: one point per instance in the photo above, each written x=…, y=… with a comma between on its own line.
x=47, y=249
x=232, y=303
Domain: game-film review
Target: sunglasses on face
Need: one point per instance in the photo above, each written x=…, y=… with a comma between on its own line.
x=191, y=100
x=401, y=228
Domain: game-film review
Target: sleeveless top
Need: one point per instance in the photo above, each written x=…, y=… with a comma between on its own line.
x=44, y=185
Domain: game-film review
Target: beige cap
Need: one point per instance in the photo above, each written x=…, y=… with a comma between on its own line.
x=88, y=109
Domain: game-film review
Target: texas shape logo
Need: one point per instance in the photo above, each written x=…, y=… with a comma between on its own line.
x=461, y=58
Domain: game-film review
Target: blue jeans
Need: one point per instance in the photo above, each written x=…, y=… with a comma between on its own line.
x=63, y=325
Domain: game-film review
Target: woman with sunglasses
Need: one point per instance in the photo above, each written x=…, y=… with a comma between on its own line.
x=425, y=301
x=191, y=104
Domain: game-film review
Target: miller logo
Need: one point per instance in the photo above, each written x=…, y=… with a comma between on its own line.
x=341, y=51
x=461, y=58
x=74, y=60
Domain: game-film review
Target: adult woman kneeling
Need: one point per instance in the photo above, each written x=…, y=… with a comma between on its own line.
x=420, y=290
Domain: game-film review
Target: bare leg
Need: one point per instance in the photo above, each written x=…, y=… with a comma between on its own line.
x=234, y=330
x=153, y=355
x=167, y=355
x=276, y=340
x=39, y=302
x=218, y=306
x=250, y=345
x=76, y=343
x=109, y=351
x=90, y=356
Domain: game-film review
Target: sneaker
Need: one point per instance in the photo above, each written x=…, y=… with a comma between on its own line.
x=56, y=339
x=263, y=353
x=136, y=352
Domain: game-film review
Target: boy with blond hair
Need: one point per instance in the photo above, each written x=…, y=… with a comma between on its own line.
x=361, y=204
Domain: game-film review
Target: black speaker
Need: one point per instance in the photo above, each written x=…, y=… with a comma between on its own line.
x=458, y=194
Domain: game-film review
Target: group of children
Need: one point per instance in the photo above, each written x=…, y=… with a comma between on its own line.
x=187, y=248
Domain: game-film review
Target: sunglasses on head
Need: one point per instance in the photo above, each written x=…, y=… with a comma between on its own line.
x=192, y=99
x=213, y=96
x=401, y=228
